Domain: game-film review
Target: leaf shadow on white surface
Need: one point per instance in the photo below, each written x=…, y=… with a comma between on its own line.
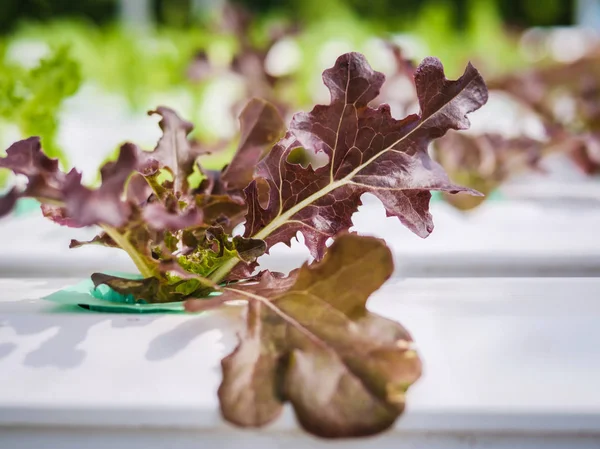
x=170, y=343
x=61, y=350
x=6, y=349
x=71, y=325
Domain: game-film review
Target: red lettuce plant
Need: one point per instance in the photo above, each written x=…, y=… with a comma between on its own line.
x=310, y=339
x=566, y=97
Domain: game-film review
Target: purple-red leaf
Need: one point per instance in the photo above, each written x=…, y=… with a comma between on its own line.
x=368, y=151
x=104, y=204
x=222, y=210
x=102, y=239
x=66, y=200
x=310, y=340
x=153, y=289
x=138, y=189
x=58, y=215
x=8, y=201
x=160, y=218
x=25, y=157
x=173, y=151
x=261, y=126
x=45, y=180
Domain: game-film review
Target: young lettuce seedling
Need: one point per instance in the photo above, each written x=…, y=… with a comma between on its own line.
x=310, y=339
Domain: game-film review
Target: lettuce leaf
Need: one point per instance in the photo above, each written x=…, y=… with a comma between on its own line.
x=368, y=151
x=316, y=321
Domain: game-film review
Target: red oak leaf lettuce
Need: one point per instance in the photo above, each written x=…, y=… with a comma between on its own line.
x=310, y=339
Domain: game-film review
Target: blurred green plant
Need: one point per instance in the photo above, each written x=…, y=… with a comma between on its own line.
x=484, y=39
x=133, y=63
x=139, y=63
x=144, y=66
x=31, y=98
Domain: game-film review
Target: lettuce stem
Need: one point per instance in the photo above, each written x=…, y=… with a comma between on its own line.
x=145, y=270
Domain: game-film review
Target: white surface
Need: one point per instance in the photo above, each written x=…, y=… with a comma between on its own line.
x=510, y=238
x=504, y=358
x=504, y=238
